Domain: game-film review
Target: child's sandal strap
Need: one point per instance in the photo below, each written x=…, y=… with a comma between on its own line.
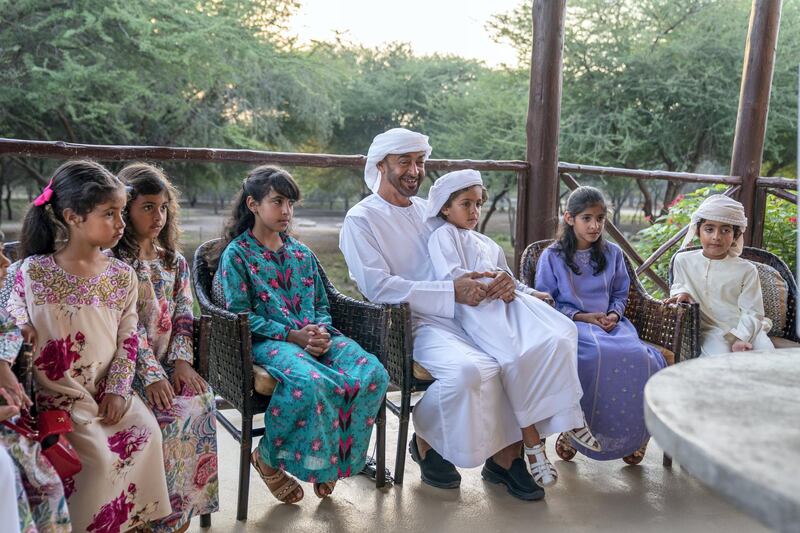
x=585, y=438
x=543, y=471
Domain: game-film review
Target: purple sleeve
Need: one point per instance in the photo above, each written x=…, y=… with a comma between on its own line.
x=547, y=271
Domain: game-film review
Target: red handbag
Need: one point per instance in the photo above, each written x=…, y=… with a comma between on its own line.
x=49, y=431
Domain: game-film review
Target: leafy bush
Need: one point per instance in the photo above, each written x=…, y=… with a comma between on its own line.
x=780, y=230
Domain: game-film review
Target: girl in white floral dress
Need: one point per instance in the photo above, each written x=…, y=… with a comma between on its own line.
x=181, y=400
x=78, y=308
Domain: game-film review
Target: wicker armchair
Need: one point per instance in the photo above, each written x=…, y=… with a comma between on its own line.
x=246, y=387
x=676, y=328
x=23, y=366
x=757, y=255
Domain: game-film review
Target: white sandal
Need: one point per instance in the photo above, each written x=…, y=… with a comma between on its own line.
x=585, y=438
x=543, y=471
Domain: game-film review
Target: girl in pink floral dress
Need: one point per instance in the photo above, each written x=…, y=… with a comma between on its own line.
x=181, y=400
x=78, y=309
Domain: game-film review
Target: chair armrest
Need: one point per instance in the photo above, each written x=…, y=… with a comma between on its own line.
x=201, y=334
x=230, y=360
x=675, y=327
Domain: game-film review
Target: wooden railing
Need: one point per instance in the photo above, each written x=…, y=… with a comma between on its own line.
x=61, y=150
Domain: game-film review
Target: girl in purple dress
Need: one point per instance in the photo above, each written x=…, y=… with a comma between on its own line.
x=588, y=281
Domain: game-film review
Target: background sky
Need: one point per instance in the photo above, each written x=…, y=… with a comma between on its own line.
x=430, y=26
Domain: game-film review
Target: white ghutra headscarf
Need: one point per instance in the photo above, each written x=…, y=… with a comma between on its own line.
x=393, y=141
x=447, y=185
x=719, y=208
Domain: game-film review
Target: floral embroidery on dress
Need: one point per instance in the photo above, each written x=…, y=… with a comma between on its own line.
x=58, y=355
x=50, y=284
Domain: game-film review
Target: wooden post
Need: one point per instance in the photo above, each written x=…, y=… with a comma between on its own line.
x=751, y=121
x=537, y=196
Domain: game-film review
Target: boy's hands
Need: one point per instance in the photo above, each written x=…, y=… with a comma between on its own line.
x=681, y=298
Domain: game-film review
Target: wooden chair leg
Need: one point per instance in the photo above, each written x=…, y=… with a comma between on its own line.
x=205, y=520
x=667, y=461
x=380, y=437
x=402, y=437
x=245, y=449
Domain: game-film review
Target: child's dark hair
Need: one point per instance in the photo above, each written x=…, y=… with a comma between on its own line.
x=453, y=196
x=77, y=185
x=580, y=200
x=142, y=179
x=736, y=229
x=258, y=184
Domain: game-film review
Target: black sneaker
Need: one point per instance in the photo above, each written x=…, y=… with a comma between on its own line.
x=517, y=479
x=434, y=469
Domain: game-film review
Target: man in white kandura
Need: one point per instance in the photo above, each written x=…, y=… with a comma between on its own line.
x=465, y=417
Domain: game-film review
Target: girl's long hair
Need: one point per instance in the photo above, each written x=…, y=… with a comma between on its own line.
x=142, y=179
x=79, y=185
x=579, y=201
x=258, y=183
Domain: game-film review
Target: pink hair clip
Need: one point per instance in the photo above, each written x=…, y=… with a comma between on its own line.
x=47, y=193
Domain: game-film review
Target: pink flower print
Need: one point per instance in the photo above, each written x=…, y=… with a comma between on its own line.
x=298, y=456
x=285, y=311
x=316, y=445
x=308, y=282
x=243, y=286
x=71, y=299
x=164, y=319
x=287, y=371
x=373, y=387
x=238, y=260
x=275, y=411
x=300, y=424
x=278, y=442
x=314, y=374
x=320, y=408
x=273, y=352
x=370, y=421
x=281, y=465
x=360, y=361
x=128, y=441
x=341, y=344
x=300, y=354
x=274, y=283
x=335, y=424
x=80, y=338
x=312, y=479
x=225, y=273
x=339, y=391
x=112, y=516
x=253, y=268
x=57, y=357
x=334, y=459
x=206, y=470
x=131, y=345
x=299, y=255
x=264, y=296
x=297, y=393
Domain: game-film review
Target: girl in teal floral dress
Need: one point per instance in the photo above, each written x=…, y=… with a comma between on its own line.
x=320, y=417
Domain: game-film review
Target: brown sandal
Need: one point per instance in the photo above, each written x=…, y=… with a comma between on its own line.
x=280, y=484
x=329, y=486
x=636, y=457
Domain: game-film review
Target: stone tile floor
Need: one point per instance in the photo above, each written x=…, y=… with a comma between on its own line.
x=589, y=497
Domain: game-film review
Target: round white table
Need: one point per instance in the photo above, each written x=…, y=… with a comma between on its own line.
x=733, y=422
